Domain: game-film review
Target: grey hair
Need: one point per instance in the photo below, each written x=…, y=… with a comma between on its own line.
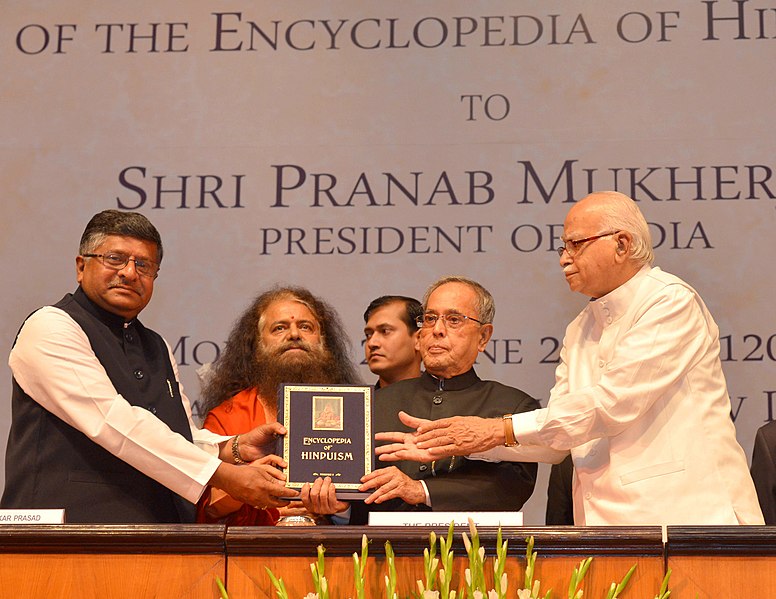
x=621, y=213
x=486, y=307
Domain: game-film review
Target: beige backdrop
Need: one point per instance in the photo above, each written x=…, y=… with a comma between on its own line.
x=362, y=148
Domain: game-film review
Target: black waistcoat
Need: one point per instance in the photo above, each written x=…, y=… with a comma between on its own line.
x=50, y=464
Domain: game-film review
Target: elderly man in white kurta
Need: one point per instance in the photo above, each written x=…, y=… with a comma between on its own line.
x=640, y=399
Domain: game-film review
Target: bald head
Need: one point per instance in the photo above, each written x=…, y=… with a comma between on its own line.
x=607, y=242
x=617, y=212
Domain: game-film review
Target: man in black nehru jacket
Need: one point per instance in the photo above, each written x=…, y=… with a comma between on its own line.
x=100, y=424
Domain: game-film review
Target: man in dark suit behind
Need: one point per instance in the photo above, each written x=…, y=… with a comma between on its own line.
x=764, y=470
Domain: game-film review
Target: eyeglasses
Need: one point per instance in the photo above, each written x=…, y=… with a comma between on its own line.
x=452, y=321
x=117, y=261
x=574, y=245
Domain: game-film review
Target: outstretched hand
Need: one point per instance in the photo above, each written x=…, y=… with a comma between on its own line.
x=403, y=446
x=432, y=439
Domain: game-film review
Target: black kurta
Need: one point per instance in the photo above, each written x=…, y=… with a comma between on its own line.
x=455, y=484
x=764, y=470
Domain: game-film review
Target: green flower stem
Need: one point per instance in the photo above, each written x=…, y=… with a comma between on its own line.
x=615, y=590
x=319, y=577
x=475, y=576
x=530, y=563
x=221, y=588
x=664, y=593
x=280, y=587
x=430, y=563
x=446, y=557
x=576, y=579
x=499, y=578
x=390, y=579
x=359, y=568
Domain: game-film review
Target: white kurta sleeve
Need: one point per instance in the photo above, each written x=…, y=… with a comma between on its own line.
x=642, y=361
x=53, y=362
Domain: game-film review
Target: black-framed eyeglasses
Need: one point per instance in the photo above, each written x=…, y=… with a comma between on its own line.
x=572, y=246
x=452, y=320
x=117, y=261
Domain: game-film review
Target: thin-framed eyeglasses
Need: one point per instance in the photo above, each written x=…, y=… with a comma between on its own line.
x=572, y=246
x=117, y=261
x=452, y=320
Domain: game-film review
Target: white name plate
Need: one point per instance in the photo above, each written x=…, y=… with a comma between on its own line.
x=444, y=518
x=54, y=516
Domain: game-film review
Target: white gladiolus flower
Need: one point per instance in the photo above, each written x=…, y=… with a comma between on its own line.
x=472, y=527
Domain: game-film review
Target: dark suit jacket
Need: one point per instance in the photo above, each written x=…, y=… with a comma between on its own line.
x=764, y=470
x=455, y=484
x=560, y=503
x=50, y=464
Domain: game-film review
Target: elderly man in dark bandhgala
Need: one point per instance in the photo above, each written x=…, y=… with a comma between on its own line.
x=456, y=325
